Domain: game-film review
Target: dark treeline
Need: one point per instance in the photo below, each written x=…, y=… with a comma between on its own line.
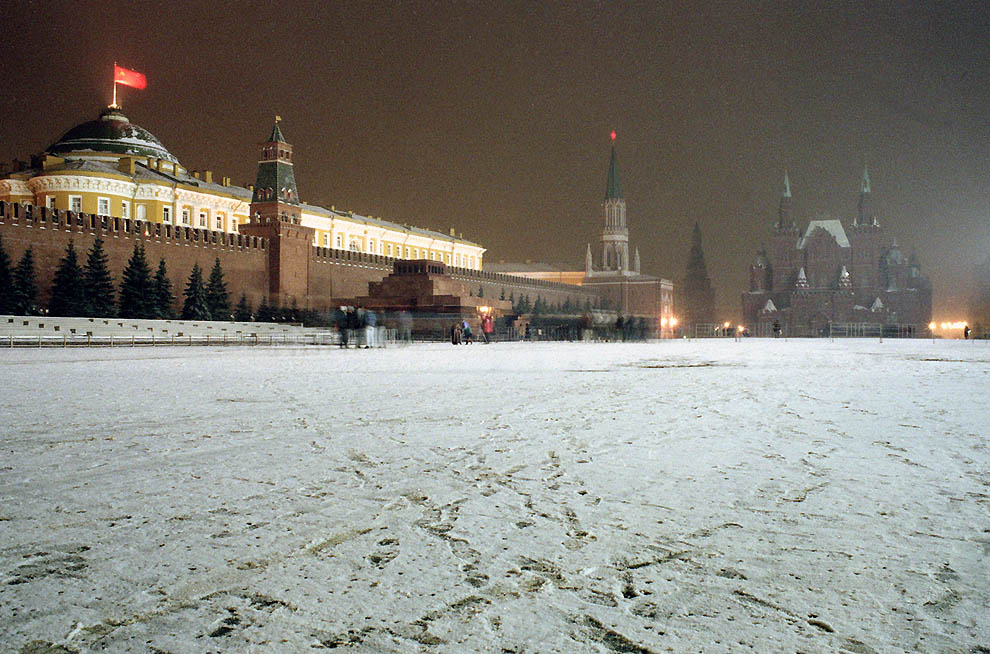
x=89, y=290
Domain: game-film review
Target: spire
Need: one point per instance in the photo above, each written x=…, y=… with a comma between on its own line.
x=587, y=260
x=784, y=220
x=276, y=136
x=613, y=190
x=636, y=261
x=865, y=216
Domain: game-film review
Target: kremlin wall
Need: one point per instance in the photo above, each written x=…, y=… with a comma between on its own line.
x=111, y=179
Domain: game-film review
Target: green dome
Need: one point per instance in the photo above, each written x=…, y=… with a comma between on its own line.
x=111, y=132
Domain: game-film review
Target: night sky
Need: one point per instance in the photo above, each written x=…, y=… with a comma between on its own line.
x=494, y=117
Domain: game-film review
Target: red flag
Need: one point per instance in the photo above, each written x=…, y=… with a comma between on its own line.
x=128, y=77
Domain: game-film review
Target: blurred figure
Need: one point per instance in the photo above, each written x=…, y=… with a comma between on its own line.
x=466, y=330
x=487, y=328
x=405, y=326
x=340, y=324
x=353, y=325
x=776, y=329
x=370, y=329
x=455, y=334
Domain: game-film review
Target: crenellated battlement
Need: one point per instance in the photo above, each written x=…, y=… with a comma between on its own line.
x=33, y=216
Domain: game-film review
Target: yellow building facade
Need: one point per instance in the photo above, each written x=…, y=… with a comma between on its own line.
x=111, y=167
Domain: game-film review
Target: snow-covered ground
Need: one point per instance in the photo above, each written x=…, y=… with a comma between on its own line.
x=679, y=496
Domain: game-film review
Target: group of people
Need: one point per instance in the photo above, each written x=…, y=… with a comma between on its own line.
x=357, y=326
x=461, y=332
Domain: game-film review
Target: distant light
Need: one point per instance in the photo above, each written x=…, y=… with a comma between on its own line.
x=613, y=135
x=931, y=326
x=726, y=324
x=663, y=322
x=673, y=322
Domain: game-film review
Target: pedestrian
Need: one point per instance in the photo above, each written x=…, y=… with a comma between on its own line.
x=466, y=329
x=353, y=325
x=405, y=326
x=340, y=324
x=966, y=332
x=455, y=334
x=487, y=328
x=370, y=329
x=776, y=329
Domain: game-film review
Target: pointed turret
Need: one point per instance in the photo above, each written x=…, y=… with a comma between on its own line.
x=784, y=218
x=276, y=181
x=865, y=216
x=587, y=261
x=613, y=189
x=615, y=234
x=636, y=262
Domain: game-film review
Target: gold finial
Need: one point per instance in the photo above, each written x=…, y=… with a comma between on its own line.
x=278, y=118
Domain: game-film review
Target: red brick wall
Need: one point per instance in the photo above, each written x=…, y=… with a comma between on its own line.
x=243, y=263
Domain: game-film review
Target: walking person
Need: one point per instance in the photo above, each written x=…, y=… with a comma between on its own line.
x=487, y=328
x=466, y=329
x=353, y=325
x=370, y=329
x=340, y=323
x=455, y=334
x=405, y=326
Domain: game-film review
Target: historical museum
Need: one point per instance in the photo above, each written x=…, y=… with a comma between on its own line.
x=831, y=278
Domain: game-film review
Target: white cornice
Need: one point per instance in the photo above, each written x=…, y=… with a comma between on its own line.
x=80, y=184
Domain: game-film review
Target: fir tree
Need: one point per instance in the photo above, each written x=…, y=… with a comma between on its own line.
x=6, y=283
x=217, y=298
x=194, y=307
x=502, y=296
x=137, y=299
x=164, y=300
x=68, y=294
x=481, y=291
x=264, y=311
x=242, y=313
x=97, y=283
x=25, y=286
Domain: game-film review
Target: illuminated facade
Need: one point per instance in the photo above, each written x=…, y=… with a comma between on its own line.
x=835, y=277
x=111, y=167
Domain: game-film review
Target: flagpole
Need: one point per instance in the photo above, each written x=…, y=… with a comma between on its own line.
x=114, y=105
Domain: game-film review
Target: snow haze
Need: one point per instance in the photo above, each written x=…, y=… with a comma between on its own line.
x=678, y=496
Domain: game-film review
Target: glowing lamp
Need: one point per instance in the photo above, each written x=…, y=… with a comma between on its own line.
x=931, y=326
x=663, y=322
x=673, y=322
x=726, y=324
